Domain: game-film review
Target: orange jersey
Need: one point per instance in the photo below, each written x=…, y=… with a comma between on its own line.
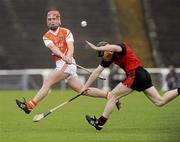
x=59, y=39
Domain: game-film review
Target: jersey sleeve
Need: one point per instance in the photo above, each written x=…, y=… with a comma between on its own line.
x=70, y=37
x=122, y=45
x=48, y=42
x=105, y=64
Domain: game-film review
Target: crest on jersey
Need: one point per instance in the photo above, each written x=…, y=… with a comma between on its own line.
x=61, y=45
x=61, y=38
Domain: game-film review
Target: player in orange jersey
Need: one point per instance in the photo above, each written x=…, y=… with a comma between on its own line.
x=60, y=42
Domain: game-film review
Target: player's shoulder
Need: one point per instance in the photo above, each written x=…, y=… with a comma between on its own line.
x=66, y=30
x=46, y=35
x=123, y=47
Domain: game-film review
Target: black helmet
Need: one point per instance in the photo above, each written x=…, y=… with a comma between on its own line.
x=101, y=43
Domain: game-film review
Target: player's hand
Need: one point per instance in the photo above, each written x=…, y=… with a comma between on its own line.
x=92, y=45
x=67, y=59
x=63, y=57
x=84, y=90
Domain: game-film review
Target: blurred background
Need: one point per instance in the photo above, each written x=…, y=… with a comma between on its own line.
x=151, y=27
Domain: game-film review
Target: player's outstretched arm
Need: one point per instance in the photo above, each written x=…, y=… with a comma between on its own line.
x=94, y=76
x=107, y=47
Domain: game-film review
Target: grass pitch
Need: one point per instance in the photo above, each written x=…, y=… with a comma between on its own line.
x=138, y=120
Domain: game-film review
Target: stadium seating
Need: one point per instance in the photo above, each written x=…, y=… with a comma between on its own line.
x=165, y=16
x=132, y=29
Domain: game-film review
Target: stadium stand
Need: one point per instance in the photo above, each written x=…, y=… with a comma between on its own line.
x=163, y=24
x=132, y=29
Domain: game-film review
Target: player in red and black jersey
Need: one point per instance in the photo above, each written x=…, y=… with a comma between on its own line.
x=137, y=79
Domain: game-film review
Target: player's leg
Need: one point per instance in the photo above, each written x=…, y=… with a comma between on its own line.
x=122, y=89
x=159, y=100
x=52, y=78
x=77, y=86
x=95, y=92
x=75, y=83
x=119, y=91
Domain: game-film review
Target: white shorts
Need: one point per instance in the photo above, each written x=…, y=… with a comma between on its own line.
x=67, y=68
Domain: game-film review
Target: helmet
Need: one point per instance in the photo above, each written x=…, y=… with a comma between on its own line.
x=53, y=19
x=101, y=43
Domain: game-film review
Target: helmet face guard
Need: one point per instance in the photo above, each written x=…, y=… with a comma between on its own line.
x=53, y=19
x=101, y=43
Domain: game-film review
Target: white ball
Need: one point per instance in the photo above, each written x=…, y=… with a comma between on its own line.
x=83, y=23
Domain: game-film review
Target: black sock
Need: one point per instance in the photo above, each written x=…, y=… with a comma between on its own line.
x=178, y=91
x=102, y=120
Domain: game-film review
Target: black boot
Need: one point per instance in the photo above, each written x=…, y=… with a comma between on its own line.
x=118, y=104
x=93, y=121
x=23, y=106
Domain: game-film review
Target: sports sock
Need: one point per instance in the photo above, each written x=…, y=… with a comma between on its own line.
x=178, y=91
x=102, y=120
x=31, y=104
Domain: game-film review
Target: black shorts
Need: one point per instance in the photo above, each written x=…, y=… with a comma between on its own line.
x=138, y=79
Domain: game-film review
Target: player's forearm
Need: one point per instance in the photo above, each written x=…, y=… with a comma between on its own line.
x=70, y=52
x=93, y=77
x=70, y=49
x=56, y=51
x=110, y=47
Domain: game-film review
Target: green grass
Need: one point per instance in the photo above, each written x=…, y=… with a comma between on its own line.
x=138, y=120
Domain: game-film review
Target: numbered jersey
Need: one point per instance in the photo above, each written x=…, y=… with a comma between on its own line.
x=59, y=38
